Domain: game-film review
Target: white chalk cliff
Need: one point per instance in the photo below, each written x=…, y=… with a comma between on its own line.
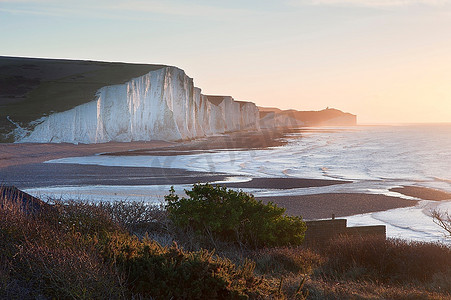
x=161, y=105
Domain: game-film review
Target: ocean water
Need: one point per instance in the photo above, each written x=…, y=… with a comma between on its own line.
x=375, y=158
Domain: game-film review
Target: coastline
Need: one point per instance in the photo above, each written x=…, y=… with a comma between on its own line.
x=22, y=165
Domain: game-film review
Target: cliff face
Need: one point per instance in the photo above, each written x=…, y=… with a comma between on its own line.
x=164, y=104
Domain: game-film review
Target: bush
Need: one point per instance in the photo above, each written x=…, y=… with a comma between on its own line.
x=218, y=212
x=283, y=261
x=171, y=273
x=442, y=219
x=137, y=217
x=84, y=218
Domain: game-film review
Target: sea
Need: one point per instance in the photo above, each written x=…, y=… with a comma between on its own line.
x=375, y=158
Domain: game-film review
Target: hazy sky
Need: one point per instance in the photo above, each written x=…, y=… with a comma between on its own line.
x=386, y=61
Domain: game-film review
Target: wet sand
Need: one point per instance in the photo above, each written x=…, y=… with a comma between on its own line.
x=27, y=153
x=422, y=193
x=251, y=140
x=55, y=174
x=322, y=206
x=283, y=183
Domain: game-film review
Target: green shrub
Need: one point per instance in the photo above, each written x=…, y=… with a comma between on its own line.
x=218, y=212
x=171, y=273
x=281, y=261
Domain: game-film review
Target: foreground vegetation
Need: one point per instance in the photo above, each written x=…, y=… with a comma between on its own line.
x=223, y=214
x=123, y=250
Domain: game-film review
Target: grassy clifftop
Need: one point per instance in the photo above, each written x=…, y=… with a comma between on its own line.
x=31, y=87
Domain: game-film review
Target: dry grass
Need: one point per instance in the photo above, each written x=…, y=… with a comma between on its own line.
x=286, y=261
x=326, y=289
x=387, y=260
x=43, y=256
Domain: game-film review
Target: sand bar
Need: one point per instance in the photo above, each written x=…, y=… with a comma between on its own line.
x=283, y=183
x=422, y=193
x=322, y=206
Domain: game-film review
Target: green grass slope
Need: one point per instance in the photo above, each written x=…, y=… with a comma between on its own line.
x=31, y=87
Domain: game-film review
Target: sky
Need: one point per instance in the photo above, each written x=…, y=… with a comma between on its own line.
x=388, y=61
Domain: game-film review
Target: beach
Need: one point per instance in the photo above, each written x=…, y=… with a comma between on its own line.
x=13, y=154
x=23, y=165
